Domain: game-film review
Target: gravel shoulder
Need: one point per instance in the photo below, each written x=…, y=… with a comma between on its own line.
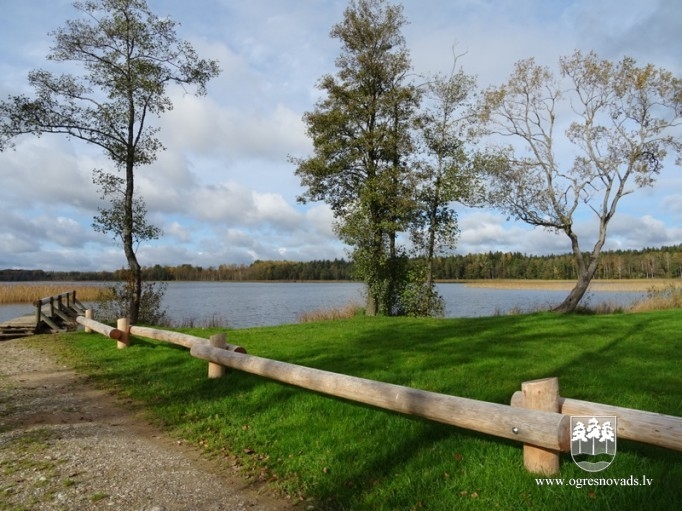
x=67, y=446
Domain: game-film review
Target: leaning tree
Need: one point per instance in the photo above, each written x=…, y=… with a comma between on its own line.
x=620, y=122
x=128, y=57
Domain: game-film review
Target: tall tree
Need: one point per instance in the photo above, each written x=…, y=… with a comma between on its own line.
x=444, y=164
x=621, y=121
x=361, y=137
x=129, y=57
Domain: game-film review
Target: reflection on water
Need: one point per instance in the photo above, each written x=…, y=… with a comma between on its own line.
x=245, y=304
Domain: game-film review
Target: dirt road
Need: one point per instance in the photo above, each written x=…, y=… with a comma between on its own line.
x=67, y=446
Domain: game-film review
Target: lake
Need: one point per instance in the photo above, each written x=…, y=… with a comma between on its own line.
x=246, y=304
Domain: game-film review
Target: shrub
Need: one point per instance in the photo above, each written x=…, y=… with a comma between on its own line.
x=114, y=303
x=669, y=297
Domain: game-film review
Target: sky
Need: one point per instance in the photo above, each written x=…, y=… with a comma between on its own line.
x=224, y=191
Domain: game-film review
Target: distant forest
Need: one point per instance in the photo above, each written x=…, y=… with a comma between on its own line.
x=665, y=262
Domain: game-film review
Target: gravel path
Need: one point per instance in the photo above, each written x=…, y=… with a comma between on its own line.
x=67, y=446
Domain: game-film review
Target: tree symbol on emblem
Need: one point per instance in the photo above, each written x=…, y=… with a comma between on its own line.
x=596, y=433
x=607, y=435
x=579, y=436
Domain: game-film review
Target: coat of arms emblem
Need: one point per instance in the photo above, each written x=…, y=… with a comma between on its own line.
x=593, y=441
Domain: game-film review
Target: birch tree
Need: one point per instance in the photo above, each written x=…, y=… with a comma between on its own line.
x=620, y=122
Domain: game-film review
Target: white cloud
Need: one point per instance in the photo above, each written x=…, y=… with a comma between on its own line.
x=223, y=191
x=628, y=232
x=227, y=202
x=482, y=231
x=255, y=130
x=178, y=231
x=47, y=171
x=272, y=209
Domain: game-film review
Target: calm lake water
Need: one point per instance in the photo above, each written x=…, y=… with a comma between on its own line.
x=246, y=304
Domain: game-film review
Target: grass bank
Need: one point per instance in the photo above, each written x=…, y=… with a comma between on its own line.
x=346, y=456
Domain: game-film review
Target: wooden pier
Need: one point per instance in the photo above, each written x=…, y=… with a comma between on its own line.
x=52, y=314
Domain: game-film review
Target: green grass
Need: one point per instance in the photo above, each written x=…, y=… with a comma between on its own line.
x=347, y=456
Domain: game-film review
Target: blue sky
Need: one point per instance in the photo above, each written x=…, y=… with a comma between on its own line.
x=223, y=191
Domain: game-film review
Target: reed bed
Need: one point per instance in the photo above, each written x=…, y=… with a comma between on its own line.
x=567, y=285
x=29, y=293
x=347, y=311
x=669, y=297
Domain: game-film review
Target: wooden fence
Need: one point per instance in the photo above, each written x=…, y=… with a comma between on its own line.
x=537, y=416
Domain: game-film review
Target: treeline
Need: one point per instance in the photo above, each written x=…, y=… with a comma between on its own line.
x=338, y=269
x=56, y=276
x=665, y=262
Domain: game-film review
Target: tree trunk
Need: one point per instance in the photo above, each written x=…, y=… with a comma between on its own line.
x=371, y=306
x=585, y=271
x=571, y=301
x=135, y=278
x=136, y=294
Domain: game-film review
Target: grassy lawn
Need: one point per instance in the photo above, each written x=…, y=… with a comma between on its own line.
x=346, y=456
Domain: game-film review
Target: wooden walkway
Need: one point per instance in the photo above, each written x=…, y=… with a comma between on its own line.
x=52, y=314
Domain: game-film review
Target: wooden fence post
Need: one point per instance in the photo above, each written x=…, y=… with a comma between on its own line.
x=39, y=313
x=542, y=395
x=124, y=341
x=88, y=315
x=217, y=370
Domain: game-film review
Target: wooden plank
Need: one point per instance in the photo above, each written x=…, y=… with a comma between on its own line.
x=8, y=332
x=27, y=321
x=65, y=317
x=48, y=321
x=638, y=425
x=545, y=429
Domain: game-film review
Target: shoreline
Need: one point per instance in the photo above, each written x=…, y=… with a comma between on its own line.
x=624, y=285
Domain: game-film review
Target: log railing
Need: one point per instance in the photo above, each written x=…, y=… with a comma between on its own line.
x=537, y=416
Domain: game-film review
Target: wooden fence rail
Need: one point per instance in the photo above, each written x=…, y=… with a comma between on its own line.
x=545, y=429
x=537, y=416
x=94, y=326
x=188, y=341
x=638, y=425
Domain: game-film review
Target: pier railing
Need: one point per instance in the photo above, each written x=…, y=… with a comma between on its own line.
x=58, y=311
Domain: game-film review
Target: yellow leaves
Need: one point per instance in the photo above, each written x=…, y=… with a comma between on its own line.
x=643, y=77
